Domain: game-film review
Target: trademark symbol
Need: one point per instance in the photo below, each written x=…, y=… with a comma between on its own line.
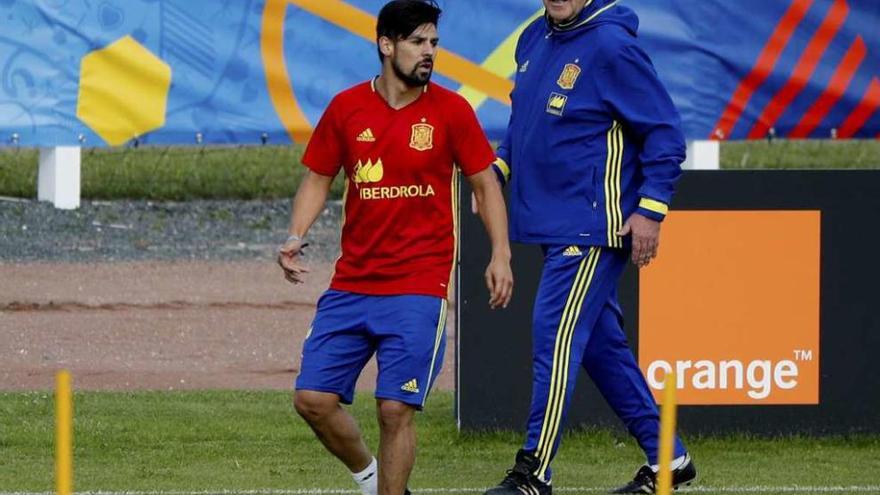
x=803, y=355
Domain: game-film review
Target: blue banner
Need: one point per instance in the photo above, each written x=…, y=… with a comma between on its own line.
x=99, y=73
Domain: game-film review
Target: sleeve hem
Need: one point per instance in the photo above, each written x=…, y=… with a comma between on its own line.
x=653, y=209
x=325, y=171
x=502, y=170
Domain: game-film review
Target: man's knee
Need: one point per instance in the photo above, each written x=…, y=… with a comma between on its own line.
x=394, y=415
x=314, y=406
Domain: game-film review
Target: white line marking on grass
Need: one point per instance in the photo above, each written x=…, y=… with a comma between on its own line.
x=565, y=489
x=794, y=489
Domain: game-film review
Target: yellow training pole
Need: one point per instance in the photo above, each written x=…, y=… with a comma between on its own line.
x=63, y=434
x=667, y=433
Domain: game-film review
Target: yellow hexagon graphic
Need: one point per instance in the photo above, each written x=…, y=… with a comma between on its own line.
x=123, y=91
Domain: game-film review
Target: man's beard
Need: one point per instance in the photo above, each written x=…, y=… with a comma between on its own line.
x=413, y=79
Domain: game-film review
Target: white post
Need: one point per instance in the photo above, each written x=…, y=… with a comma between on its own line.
x=703, y=155
x=59, y=177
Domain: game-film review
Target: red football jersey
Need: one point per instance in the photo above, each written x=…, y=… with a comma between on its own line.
x=399, y=228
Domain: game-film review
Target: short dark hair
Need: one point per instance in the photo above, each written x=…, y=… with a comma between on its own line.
x=399, y=18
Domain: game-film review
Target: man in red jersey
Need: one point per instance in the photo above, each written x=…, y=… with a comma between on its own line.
x=399, y=139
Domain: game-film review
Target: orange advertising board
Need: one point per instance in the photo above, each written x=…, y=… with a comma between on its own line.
x=732, y=306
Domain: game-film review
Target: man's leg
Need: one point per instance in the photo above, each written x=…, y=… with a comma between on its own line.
x=410, y=331
x=334, y=353
x=574, y=283
x=612, y=366
x=397, y=445
x=334, y=427
x=567, y=305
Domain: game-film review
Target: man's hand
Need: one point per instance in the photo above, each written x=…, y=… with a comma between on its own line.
x=499, y=280
x=288, y=260
x=645, y=238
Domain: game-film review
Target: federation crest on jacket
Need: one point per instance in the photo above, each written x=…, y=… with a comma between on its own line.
x=569, y=76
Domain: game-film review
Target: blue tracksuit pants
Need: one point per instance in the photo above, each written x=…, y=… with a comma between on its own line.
x=577, y=322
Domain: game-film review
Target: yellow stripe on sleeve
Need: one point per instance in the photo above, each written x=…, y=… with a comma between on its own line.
x=503, y=167
x=654, y=205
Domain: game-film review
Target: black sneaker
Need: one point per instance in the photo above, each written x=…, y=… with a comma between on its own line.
x=646, y=479
x=521, y=479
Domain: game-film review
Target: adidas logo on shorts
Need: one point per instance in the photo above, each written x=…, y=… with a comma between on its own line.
x=572, y=251
x=411, y=386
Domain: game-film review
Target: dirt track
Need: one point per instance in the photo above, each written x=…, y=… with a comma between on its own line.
x=161, y=325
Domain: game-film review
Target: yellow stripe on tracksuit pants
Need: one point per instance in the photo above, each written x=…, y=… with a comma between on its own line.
x=576, y=322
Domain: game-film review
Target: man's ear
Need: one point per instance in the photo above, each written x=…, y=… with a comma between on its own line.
x=386, y=46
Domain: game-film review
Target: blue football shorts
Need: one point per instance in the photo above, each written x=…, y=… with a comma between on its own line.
x=406, y=332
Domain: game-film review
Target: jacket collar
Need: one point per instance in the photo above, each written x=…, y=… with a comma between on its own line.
x=591, y=10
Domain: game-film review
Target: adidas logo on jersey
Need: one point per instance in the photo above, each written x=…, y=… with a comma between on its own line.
x=366, y=136
x=572, y=251
x=411, y=386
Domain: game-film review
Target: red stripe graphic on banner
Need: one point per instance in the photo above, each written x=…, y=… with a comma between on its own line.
x=803, y=70
x=863, y=112
x=762, y=68
x=836, y=88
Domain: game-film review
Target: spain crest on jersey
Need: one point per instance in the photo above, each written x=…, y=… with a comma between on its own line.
x=422, y=138
x=569, y=76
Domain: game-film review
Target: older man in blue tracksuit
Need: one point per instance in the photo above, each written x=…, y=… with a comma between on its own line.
x=592, y=153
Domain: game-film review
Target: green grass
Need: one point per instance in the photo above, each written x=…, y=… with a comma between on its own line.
x=18, y=172
x=269, y=172
x=235, y=440
x=175, y=173
x=805, y=154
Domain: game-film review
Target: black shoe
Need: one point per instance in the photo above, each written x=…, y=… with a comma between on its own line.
x=646, y=479
x=521, y=479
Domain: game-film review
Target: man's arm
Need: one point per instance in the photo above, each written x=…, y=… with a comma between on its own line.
x=504, y=162
x=307, y=205
x=501, y=165
x=636, y=97
x=499, y=277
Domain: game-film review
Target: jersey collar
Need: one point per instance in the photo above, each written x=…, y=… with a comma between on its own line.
x=376, y=78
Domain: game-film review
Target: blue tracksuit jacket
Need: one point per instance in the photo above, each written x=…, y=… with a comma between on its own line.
x=593, y=134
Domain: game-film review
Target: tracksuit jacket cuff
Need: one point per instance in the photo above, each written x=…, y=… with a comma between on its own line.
x=653, y=209
x=502, y=170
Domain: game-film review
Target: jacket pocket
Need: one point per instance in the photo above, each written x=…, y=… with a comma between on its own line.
x=595, y=188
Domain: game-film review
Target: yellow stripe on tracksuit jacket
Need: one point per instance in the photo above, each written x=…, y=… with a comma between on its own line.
x=593, y=137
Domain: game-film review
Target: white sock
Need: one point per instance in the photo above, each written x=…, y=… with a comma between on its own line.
x=676, y=463
x=368, y=479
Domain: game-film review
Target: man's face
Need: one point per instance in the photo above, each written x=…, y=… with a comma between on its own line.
x=412, y=58
x=564, y=10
